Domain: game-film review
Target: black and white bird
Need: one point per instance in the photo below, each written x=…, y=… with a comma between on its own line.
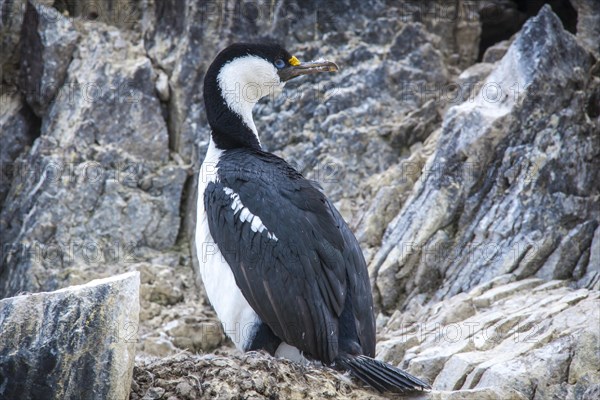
x=281, y=268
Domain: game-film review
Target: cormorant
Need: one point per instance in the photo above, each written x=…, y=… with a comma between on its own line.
x=281, y=268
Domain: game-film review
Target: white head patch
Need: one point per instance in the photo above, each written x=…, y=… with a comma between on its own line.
x=246, y=80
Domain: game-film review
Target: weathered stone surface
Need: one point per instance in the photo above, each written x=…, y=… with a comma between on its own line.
x=18, y=129
x=77, y=342
x=496, y=52
x=47, y=44
x=97, y=187
x=124, y=14
x=588, y=24
x=470, y=82
x=346, y=124
x=121, y=94
x=11, y=20
x=493, y=181
x=521, y=341
x=478, y=394
x=173, y=312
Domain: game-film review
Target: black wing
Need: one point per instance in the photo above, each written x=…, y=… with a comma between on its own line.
x=296, y=272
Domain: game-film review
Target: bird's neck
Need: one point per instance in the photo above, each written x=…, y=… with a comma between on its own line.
x=229, y=115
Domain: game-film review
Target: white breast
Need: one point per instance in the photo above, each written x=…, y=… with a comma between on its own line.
x=238, y=318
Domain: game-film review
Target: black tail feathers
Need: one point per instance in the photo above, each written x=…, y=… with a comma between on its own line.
x=383, y=377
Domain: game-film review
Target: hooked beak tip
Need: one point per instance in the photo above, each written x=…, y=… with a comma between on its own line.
x=307, y=68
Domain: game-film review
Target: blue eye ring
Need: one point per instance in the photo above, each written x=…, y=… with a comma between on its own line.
x=279, y=63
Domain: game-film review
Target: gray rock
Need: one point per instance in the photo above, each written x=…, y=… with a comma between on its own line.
x=11, y=20
x=493, y=166
x=457, y=25
x=97, y=186
x=116, y=105
x=47, y=44
x=77, y=342
x=18, y=128
x=526, y=338
x=496, y=52
x=173, y=314
x=183, y=48
x=478, y=394
x=588, y=24
x=470, y=82
x=195, y=334
x=123, y=14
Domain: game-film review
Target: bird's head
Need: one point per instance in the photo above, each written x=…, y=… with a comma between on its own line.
x=243, y=73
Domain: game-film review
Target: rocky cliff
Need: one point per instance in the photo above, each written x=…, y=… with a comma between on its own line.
x=460, y=139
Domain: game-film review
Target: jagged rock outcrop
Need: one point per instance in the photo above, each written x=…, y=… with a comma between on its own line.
x=47, y=44
x=472, y=187
x=97, y=186
x=77, y=342
x=513, y=181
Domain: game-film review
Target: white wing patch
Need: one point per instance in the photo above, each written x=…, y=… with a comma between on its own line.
x=245, y=215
